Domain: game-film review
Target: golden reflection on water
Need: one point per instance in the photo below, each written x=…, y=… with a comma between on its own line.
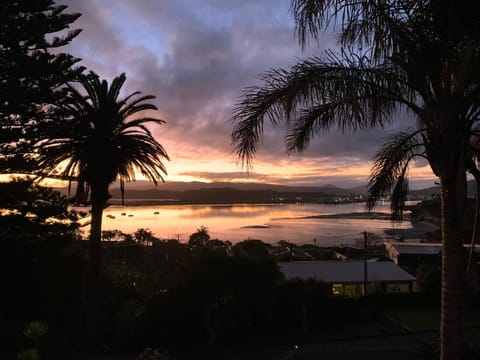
x=239, y=222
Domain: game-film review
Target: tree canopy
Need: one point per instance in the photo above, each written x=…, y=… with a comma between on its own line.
x=32, y=71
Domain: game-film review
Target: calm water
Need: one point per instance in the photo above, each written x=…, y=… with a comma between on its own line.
x=239, y=222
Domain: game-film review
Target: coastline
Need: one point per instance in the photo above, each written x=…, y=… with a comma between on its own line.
x=162, y=218
x=161, y=202
x=418, y=231
x=350, y=215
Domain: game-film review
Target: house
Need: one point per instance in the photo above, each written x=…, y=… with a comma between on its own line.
x=410, y=255
x=347, y=278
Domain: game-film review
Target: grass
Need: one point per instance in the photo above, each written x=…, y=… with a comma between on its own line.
x=414, y=318
x=424, y=318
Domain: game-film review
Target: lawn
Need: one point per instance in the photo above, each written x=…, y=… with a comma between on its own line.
x=423, y=318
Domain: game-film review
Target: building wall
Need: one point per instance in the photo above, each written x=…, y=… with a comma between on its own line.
x=355, y=290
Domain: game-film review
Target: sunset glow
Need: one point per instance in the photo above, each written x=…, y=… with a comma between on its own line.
x=196, y=57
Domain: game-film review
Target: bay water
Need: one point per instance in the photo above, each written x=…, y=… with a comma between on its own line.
x=268, y=222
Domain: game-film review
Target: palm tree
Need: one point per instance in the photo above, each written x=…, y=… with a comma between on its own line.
x=101, y=139
x=200, y=238
x=398, y=55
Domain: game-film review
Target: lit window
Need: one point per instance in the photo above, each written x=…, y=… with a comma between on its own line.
x=337, y=289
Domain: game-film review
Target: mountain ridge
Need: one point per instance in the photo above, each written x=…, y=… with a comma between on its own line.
x=177, y=186
x=197, y=191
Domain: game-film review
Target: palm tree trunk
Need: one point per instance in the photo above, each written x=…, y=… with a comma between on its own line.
x=453, y=264
x=92, y=320
x=476, y=225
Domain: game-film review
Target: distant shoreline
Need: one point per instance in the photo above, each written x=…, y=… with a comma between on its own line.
x=351, y=215
x=160, y=202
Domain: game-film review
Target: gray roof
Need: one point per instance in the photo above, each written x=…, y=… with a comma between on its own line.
x=406, y=248
x=418, y=250
x=344, y=271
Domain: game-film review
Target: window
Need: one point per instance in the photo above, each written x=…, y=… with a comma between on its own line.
x=337, y=289
x=348, y=290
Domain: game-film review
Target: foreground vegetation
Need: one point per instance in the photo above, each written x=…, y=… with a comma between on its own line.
x=396, y=55
x=169, y=295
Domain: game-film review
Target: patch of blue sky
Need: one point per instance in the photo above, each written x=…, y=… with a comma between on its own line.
x=135, y=32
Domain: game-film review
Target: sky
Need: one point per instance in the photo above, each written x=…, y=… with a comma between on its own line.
x=196, y=57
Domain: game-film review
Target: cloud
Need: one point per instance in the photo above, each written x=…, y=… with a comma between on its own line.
x=196, y=57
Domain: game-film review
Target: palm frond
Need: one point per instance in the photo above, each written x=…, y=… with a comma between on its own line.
x=390, y=166
x=399, y=195
x=128, y=111
x=374, y=25
x=316, y=95
x=116, y=86
x=312, y=16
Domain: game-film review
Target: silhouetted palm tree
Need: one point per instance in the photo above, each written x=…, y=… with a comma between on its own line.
x=102, y=139
x=200, y=238
x=419, y=56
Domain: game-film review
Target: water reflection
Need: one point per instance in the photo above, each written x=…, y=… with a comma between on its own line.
x=240, y=222
x=241, y=210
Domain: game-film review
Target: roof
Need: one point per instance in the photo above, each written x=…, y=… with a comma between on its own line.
x=418, y=250
x=409, y=248
x=344, y=271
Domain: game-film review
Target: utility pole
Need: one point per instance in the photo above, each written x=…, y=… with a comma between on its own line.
x=365, y=265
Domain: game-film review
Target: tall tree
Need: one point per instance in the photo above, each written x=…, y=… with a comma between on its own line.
x=102, y=138
x=32, y=71
x=419, y=56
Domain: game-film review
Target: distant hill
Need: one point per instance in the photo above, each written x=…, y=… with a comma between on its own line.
x=197, y=185
x=224, y=194
x=435, y=190
x=176, y=186
x=201, y=192
x=224, y=191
